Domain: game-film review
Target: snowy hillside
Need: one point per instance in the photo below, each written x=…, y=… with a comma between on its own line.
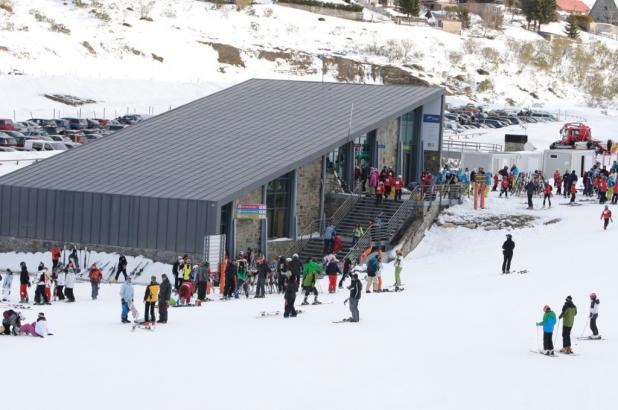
x=458, y=337
x=128, y=56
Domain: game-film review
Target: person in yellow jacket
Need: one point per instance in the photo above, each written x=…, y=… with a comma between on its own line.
x=186, y=271
x=151, y=298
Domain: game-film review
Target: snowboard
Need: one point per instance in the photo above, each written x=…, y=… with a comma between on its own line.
x=317, y=304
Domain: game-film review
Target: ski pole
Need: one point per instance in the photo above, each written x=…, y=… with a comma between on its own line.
x=556, y=335
x=586, y=327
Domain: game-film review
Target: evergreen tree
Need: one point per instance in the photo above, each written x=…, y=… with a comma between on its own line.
x=410, y=7
x=416, y=8
x=546, y=11
x=572, y=30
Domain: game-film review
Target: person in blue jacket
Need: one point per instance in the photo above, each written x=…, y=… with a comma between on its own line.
x=126, y=298
x=515, y=172
x=548, y=323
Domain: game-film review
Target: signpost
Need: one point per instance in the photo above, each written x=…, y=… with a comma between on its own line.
x=251, y=211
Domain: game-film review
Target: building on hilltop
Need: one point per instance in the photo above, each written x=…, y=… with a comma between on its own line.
x=605, y=11
x=160, y=187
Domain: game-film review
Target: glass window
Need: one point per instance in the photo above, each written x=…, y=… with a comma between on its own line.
x=278, y=206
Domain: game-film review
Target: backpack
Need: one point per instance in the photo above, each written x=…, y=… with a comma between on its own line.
x=372, y=265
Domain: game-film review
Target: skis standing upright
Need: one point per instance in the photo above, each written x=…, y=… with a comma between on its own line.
x=139, y=272
x=132, y=274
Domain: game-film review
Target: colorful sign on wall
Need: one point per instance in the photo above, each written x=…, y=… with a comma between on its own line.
x=251, y=211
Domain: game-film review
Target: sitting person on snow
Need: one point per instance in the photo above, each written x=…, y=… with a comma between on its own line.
x=38, y=328
x=11, y=321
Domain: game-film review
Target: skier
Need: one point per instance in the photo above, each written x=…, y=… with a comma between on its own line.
x=296, y=267
x=73, y=258
x=69, y=283
x=347, y=265
x=398, y=268
x=373, y=265
x=55, y=254
x=201, y=277
x=36, y=329
x=185, y=273
x=356, y=290
x=151, y=297
x=24, y=283
x=290, y=297
x=40, y=298
x=573, y=191
x=547, y=193
x=262, y=271
x=11, y=321
x=310, y=272
x=95, y=277
x=507, y=252
x=241, y=274
x=165, y=293
x=558, y=182
x=60, y=277
x=594, y=314
x=530, y=191
x=504, y=187
x=6, y=285
x=332, y=269
x=606, y=215
x=175, y=268
x=122, y=267
x=126, y=299
x=282, y=269
x=569, y=311
x=230, y=280
x=603, y=190
x=548, y=323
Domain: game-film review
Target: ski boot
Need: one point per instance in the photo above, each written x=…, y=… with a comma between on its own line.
x=305, y=302
x=316, y=302
x=594, y=337
x=569, y=350
x=564, y=350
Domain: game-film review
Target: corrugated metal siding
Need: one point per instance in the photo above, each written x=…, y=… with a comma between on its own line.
x=101, y=219
x=248, y=134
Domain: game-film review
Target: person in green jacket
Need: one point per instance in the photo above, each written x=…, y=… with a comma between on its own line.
x=569, y=311
x=310, y=273
x=242, y=277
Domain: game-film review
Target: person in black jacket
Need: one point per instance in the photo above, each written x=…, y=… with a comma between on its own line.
x=230, y=280
x=165, y=293
x=530, y=188
x=24, y=283
x=175, y=268
x=507, y=251
x=296, y=267
x=122, y=267
x=356, y=290
x=290, y=297
x=262, y=271
x=347, y=264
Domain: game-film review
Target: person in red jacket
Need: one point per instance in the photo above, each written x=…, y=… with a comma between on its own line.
x=606, y=215
x=388, y=184
x=547, y=193
x=398, y=185
x=573, y=192
x=379, y=193
x=511, y=182
x=603, y=190
x=504, y=187
x=55, y=254
x=558, y=182
x=95, y=277
x=495, y=187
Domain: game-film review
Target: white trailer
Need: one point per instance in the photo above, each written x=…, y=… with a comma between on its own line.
x=567, y=159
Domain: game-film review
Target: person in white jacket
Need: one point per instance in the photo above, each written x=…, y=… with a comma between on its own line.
x=594, y=314
x=6, y=286
x=69, y=283
x=59, y=289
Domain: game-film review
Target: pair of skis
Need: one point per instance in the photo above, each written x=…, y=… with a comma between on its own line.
x=274, y=313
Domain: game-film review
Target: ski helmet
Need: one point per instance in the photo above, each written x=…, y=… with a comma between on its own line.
x=593, y=295
x=546, y=308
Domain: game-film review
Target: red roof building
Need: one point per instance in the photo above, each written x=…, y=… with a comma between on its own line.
x=572, y=6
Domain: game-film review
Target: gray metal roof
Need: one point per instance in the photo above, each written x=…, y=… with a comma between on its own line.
x=227, y=143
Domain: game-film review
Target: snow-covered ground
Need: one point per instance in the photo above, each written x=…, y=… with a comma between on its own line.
x=459, y=337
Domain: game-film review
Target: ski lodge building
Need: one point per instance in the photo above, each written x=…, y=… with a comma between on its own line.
x=161, y=187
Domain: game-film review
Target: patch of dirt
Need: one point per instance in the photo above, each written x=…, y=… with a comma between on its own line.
x=156, y=57
x=88, y=47
x=552, y=221
x=486, y=222
x=132, y=50
x=71, y=100
x=227, y=54
x=2, y=48
x=480, y=71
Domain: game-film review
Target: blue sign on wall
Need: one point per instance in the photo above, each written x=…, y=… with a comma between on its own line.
x=431, y=118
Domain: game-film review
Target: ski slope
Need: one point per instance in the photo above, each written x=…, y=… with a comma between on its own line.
x=459, y=337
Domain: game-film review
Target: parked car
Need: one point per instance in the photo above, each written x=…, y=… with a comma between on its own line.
x=77, y=123
x=131, y=119
x=40, y=145
x=22, y=140
x=104, y=122
x=7, y=149
x=27, y=126
x=75, y=136
x=92, y=123
x=60, y=138
x=42, y=122
x=115, y=125
x=71, y=145
x=36, y=133
x=7, y=141
x=6, y=124
x=61, y=123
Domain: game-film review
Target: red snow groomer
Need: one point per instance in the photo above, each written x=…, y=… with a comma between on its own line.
x=577, y=135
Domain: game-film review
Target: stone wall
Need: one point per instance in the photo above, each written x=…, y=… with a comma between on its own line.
x=308, y=194
x=248, y=230
x=326, y=11
x=388, y=135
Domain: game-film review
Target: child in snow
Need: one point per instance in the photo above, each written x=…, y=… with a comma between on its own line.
x=606, y=215
x=594, y=314
x=38, y=328
x=547, y=193
x=398, y=268
x=95, y=275
x=11, y=321
x=548, y=323
x=69, y=283
x=573, y=192
x=24, y=283
x=6, y=285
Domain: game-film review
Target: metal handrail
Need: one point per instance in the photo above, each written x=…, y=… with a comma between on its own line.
x=450, y=145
